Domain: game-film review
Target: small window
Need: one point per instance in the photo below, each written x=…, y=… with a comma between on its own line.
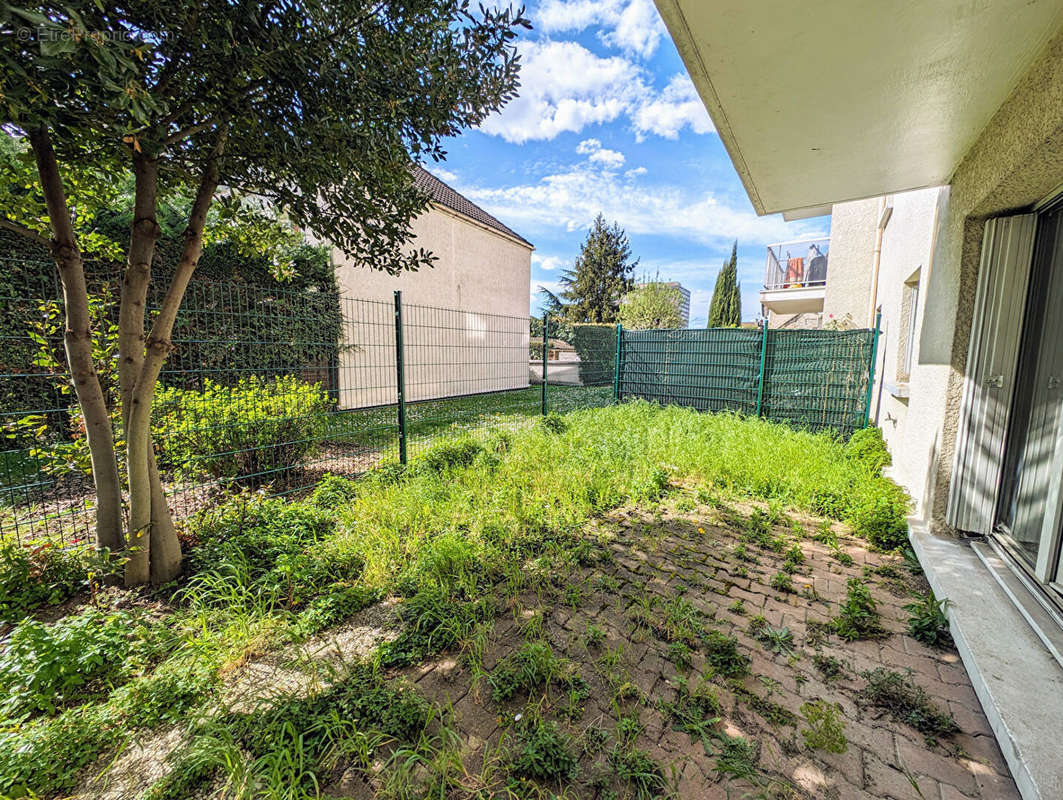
x=909, y=317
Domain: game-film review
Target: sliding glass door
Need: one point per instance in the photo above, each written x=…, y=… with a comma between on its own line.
x=1029, y=511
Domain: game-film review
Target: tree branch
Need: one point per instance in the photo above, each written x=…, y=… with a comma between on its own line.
x=23, y=231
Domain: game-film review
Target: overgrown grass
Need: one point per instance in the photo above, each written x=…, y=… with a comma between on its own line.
x=469, y=521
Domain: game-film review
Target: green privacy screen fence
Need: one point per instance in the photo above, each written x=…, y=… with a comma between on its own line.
x=817, y=379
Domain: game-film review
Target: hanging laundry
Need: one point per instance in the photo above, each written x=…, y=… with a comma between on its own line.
x=795, y=272
x=817, y=265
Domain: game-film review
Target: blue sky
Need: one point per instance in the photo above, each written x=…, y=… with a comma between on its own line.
x=607, y=120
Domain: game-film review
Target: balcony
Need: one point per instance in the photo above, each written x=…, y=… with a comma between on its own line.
x=795, y=276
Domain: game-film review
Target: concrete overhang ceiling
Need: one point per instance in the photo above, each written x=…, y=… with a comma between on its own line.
x=822, y=101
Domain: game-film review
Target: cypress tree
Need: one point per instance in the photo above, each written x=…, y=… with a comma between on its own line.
x=601, y=275
x=725, y=310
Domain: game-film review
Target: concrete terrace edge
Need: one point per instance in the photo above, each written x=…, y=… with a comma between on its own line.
x=1016, y=678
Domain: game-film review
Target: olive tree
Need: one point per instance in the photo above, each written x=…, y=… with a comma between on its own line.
x=314, y=107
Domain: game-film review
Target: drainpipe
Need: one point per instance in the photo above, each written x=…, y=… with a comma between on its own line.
x=885, y=211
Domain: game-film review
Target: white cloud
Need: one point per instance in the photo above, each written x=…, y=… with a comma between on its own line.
x=565, y=87
x=573, y=197
x=612, y=159
x=633, y=26
x=443, y=173
x=548, y=263
x=669, y=112
x=638, y=30
x=633, y=173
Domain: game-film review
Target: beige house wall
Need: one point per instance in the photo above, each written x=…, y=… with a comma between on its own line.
x=465, y=319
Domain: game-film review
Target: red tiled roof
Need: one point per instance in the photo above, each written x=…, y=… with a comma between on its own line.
x=445, y=196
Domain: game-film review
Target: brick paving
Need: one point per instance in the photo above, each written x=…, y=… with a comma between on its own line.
x=686, y=551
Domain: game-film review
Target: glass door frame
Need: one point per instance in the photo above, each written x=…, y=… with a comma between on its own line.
x=1047, y=568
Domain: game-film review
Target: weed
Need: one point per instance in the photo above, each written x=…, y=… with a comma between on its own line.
x=795, y=557
x=680, y=654
x=695, y=711
x=829, y=667
x=879, y=514
x=593, y=636
x=927, y=621
x=574, y=596
x=842, y=558
x=721, y=652
x=31, y=577
x=533, y=666
x=826, y=728
x=554, y=423
x=867, y=448
x=737, y=758
x=738, y=607
x=434, y=623
x=45, y=667
x=740, y=552
x=858, y=618
x=774, y=713
x=628, y=728
x=906, y=702
x=642, y=772
x=776, y=640
x=782, y=582
x=825, y=534
x=545, y=752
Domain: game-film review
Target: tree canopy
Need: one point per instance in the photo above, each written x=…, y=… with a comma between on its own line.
x=310, y=109
x=654, y=305
x=725, y=310
x=601, y=275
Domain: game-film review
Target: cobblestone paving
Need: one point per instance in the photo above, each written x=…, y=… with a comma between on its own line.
x=678, y=565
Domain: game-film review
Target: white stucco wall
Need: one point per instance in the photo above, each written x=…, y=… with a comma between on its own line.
x=910, y=409
x=852, y=243
x=465, y=320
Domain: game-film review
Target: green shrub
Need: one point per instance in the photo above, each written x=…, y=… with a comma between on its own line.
x=46, y=574
x=44, y=757
x=333, y=491
x=254, y=430
x=867, y=447
x=879, y=513
x=44, y=667
x=447, y=454
x=255, y=552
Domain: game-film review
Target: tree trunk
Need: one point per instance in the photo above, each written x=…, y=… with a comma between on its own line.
x=144, y=511
x=78, y=344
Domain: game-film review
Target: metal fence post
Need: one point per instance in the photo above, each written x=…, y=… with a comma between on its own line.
x=546, y=356
x=871, y=368
x=400, y=377
x=763, y=359
x=616, y=368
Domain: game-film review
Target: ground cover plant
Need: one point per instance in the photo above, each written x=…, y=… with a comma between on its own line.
x=513, y=568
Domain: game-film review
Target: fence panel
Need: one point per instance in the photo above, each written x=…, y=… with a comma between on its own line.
x=710, y=369
x=818, y=379
x=811, y=379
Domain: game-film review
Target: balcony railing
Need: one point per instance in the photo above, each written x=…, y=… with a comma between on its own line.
x=797, y=265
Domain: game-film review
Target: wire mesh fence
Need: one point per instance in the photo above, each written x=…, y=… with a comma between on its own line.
x=815, y=379
x=266, y=389
x=270, y=388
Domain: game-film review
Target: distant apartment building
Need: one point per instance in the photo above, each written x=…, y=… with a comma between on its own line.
x=683, y=299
